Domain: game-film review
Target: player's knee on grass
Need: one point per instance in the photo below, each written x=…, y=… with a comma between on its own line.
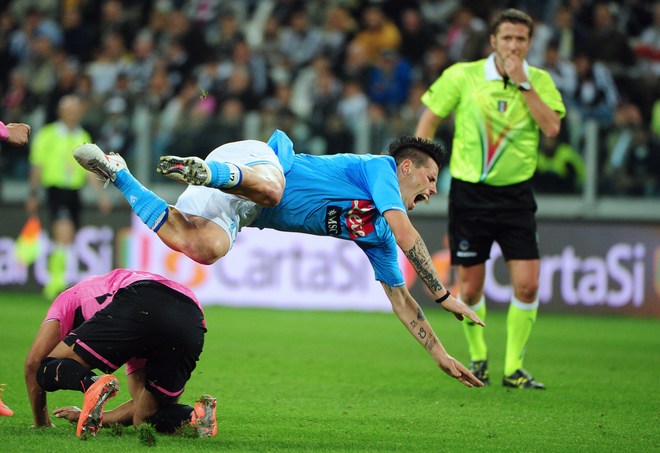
x=63, y=374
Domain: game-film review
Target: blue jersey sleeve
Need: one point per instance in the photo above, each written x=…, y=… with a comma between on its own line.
x=383, y=184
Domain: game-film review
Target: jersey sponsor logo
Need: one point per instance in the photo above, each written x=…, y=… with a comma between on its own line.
x=332, y=223
x=359, y=219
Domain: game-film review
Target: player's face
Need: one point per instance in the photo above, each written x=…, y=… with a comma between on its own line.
x=511, y=39
x=418, y=184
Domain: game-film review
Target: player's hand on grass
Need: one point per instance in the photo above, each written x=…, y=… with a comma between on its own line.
x=458, y=371
x=461, y=310
x=71, y=413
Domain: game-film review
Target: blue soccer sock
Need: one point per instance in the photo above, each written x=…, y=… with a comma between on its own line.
x=224, y=175
x=150, y=208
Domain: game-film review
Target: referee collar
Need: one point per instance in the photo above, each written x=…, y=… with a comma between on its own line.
x=492, y=72
x=64, y=130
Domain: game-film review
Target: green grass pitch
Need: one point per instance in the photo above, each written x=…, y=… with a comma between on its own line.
x=342, y=381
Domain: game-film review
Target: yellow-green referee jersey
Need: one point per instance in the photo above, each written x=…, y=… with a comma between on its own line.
x=496, y=138
x=52, y=150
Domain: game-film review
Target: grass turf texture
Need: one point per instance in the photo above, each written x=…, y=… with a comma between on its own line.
x=324, y=381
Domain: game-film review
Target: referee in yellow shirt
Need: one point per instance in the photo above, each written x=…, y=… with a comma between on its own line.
x=54, y=168
x=500, y=104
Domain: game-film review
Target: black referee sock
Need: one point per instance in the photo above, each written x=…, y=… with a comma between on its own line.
x=170, y=418
x=63, y=374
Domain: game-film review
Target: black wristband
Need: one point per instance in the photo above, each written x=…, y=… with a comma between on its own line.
x=440, y=300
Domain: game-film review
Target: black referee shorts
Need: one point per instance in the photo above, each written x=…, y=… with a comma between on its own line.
x=480, y=214
x=145, y=320
x=63, y=204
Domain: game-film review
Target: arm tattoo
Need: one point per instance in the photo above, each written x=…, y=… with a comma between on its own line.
x=421, y=260
x=430, y=342
x=420, y=314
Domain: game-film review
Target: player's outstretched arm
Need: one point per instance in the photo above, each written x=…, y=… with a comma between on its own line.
x=412, y=244
x=45, y=341
x=412, y=316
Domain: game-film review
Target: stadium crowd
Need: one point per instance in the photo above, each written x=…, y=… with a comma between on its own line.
x=183, y=76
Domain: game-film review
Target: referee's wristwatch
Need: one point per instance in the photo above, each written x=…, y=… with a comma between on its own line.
x=525, y=86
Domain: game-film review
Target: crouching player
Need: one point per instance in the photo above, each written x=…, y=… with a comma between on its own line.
x=153, y=325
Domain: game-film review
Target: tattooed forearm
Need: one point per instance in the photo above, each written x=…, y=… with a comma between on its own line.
x=420, y=314
x=430, y=342
x=421, y=260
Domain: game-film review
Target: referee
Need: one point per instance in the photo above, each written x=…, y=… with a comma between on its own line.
x=500, y=104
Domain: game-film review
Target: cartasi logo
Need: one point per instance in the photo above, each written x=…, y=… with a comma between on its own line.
x=614, y=280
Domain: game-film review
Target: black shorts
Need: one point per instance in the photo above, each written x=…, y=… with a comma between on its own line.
x=480, y=215
x=63, y=204
x=145, y=320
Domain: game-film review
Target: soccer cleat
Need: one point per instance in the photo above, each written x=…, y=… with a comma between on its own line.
x=480, y=370
x=91, y=415
x=90, y=157
x=4, y=409
x=203, y=416
x=188, y=170
x=521, y=379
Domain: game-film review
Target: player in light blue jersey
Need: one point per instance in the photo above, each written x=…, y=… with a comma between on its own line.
x=363, y=198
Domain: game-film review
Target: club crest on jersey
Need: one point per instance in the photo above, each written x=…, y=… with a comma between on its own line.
x=332, y=224
x=501, y=106
x=359, y=219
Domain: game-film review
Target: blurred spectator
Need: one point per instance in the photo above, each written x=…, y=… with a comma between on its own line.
x=299, y=41
x=416, y=36
x=116, y=134
x=356, y=65
x=139, y=66
x=79, y=37
x=353, y=105
x=177, y=62
x=339, y=29
x=389, y=80
x=40, y=67
x=647, y=46
x=633, y=16
x=436, y=60
x=116, y=20
x=438, y=12
x=204, y=13
x=562, y=71
x=222, y=37
x=249, y=67
x=596, y=96
x=67, y=80
x=34, y=26
x=465, y=36
x=190, y=134
x=377, y=33
x=568, y=35
x=108, y=63
x=626, y=169
x=609, y=45
x=191, y=38
x=559, y=168
x=307, y=90
x=543, y=34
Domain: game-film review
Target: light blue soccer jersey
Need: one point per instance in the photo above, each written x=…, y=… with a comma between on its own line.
x=343, y=195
